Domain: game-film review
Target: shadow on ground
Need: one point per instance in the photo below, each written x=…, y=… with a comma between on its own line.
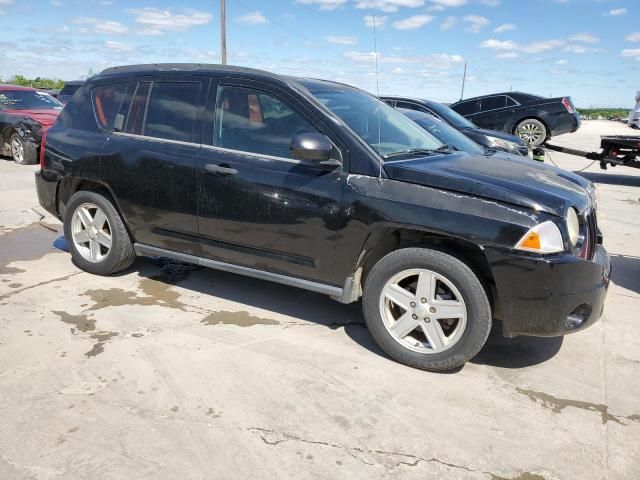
x=517, y=352
x=626, y=272
x=612, y=178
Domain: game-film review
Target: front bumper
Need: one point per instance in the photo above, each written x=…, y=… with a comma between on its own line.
x=540, y=295
x=47, y=191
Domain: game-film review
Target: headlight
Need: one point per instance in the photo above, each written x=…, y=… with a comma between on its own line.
x=543, y=238
x=500, y=143
x=573, y=226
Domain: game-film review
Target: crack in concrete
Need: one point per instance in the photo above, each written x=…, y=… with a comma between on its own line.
x=556, y=405
x=40, y=284
x=411, y=460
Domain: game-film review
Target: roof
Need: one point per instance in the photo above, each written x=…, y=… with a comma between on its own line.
x=6, y=86
x=74, y=82
x=184, y=68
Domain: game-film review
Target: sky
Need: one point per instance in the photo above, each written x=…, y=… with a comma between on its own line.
x=588, y=49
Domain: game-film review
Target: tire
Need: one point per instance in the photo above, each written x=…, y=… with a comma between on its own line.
x=100, y=260
x=533, y=132
x=23, y=153
x=464, y=340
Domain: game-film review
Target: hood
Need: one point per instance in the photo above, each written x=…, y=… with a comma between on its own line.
x=504, y=178
x=493, y=133
x=44, y=117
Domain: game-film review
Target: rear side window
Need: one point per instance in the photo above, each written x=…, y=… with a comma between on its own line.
x=493, y=103
x=511, y=102
x=107, y=100
x=249, y=120
x=467, y=108
x=409, y=106
x=137, y=109
x=69, y=89
x=172, y=110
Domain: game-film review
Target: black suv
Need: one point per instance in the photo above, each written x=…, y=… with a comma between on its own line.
x=322, y=186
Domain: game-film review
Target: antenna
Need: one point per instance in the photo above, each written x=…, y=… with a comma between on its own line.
x=464, y=79
x=223, y=32
x=375, y=54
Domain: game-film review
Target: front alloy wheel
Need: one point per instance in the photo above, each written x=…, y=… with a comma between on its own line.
x=17, y=149
x=91, y=232
x=423, y=311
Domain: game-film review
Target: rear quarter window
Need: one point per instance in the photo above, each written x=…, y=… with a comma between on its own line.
x=107, y=100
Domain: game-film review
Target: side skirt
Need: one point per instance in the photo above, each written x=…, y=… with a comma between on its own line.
x=335, y=292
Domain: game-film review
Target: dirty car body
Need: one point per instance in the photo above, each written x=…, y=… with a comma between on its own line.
x=25, y=111
x=322, y=224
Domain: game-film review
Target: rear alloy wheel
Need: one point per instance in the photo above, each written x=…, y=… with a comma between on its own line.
x=532, y=132
x=21, y=152
x=97, y=238
x=426, y=309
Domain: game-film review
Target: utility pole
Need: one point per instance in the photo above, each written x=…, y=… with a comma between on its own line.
x=223, y=32
x=464, y=79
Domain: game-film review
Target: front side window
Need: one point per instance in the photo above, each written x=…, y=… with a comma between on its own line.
x=384, y=128
x=409, y=106
x=172, y=111
x=107, y=100
x=249, y=120
x=27, y=100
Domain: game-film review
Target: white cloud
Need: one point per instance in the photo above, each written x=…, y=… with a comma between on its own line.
x=562, y=62
x=476, y=22
x=537, y=47
x=156, y=21
x=323, y=4
x=490, y=3
x=441, y=60
x=505, y=27
x=338, y=40
x=380, y=21
x=616, y=12
x=252, y=18
x=100, y=26
x=57, y=3
x=388, y=5
x=584, y=38
x=449, y=3
x=448, y=23
x=118, y=47
x=413, y=22
x=633, y=37
x=580, y=49
x=500, y=44
x=631, y=52
x=6, y=2
x=362, y=56
x=505, y=55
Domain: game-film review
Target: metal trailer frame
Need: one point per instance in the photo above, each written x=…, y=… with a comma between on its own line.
x=616, y=150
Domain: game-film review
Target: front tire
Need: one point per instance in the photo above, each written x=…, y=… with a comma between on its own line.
x=22, y=152
x=96, y=236
x=426, y=309
x=533, y=132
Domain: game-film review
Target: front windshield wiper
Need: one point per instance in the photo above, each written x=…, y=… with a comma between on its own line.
x=417, y=151
x=490, y=151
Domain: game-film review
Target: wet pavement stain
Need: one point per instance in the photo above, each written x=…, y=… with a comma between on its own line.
x=15, y=285
x=102, y=338
x=155, y=293
x=80, y=322
x=558, y=404
x=522, y=476
x=29, y=242
x=241, y=319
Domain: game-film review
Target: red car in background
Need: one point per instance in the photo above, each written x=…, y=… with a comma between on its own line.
x=24, y=113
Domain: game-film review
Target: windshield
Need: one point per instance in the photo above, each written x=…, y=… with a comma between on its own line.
x=444, y=132
x=27, y=100
x=385, y=129
x=451, y=116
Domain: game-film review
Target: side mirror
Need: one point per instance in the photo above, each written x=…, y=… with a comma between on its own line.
x=314, y=147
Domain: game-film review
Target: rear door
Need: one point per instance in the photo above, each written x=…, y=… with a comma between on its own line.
x=150, y=160
x=496, y=112
x=259, y=207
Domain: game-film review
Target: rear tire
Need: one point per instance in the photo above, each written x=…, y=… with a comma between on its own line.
x=533, y=132
x=96, y=235
x=23, y=153
x=434, y=339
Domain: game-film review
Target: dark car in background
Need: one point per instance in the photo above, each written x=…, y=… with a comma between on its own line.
x=321, y=186
x=68, y=90
x=24, y=112
x=533, y=118
x=487, y=138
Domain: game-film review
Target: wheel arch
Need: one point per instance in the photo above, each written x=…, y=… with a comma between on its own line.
x=387, y=239
x=537, y=116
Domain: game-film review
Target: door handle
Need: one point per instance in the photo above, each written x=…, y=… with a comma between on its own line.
x=220, y=170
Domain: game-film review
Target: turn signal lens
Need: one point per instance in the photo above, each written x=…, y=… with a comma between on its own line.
x=543, y=238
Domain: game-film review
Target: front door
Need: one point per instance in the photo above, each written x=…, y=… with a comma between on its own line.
x=258, y=206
